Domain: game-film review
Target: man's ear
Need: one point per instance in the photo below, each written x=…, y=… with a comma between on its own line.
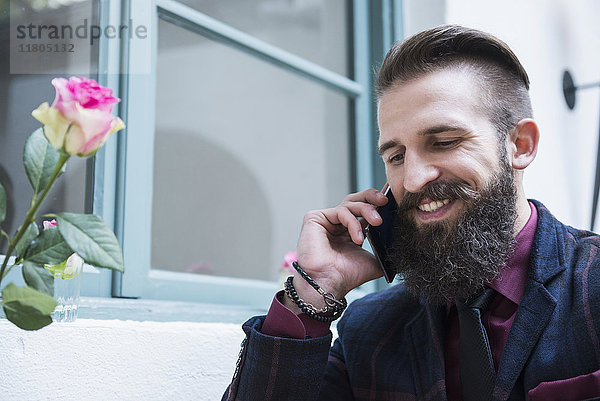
x=523, y=144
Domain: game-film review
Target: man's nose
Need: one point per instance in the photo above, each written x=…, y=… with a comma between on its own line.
x=418, y=172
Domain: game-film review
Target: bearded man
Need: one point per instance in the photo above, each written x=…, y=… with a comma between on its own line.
x=499, y=300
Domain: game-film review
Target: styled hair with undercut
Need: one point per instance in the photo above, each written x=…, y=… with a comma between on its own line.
x=503, y=80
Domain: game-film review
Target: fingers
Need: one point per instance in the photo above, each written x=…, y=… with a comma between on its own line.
x=343, y=216
x=372, y=196
x=354, y=213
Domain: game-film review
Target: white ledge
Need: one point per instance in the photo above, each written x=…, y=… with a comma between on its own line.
x=164, y=311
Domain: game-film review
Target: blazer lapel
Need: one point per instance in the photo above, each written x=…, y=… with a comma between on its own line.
x=426, y=348
x=537, y=306
x=532, y=317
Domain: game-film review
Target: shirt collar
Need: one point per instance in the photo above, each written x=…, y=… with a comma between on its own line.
x=512, y=279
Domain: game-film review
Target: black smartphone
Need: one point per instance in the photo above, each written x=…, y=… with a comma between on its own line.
x=380, y=237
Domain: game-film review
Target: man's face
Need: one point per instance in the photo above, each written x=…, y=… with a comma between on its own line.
x=434, y=129
x=455, y=187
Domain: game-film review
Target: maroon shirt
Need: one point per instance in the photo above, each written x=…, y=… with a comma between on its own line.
x=282, y=322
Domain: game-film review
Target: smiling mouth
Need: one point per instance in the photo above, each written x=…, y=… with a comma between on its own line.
x=433, y=205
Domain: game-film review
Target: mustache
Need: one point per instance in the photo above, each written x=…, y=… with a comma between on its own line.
x=437, y=191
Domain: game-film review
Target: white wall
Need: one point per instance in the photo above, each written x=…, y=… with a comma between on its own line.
x=118, y=360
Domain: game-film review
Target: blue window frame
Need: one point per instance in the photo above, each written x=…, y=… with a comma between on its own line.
x=123, y=170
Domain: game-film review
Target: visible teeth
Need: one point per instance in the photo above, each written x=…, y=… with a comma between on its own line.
x=433, y=206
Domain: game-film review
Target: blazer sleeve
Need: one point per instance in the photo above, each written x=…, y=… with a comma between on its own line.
x=278, y=369
x=336, y=382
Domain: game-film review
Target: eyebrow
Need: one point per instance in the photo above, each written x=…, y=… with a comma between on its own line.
x=386, y=145
x=436, y=129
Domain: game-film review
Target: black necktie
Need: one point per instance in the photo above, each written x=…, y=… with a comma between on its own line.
x=477, y=372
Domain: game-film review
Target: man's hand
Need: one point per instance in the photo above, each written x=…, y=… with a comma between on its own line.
x=330, y=247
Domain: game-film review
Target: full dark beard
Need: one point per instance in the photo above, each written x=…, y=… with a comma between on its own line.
x=452, y=260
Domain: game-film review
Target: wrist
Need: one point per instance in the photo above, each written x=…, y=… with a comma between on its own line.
x=332, y=308
x=306, y=292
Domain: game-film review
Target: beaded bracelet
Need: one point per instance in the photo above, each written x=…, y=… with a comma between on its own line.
x=331, y=303
x=309, y=309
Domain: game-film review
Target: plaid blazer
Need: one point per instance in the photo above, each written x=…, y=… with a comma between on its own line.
x=391, y=345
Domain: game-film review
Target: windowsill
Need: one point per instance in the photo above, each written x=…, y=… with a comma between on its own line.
x=142, y=310
x=164, y=311
x=159, y=310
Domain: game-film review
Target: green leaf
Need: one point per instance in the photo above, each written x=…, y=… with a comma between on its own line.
x=38, y=278
x=31, y=232
x=57, y=270
x=27, y=308
x=90, y=237
x=2, y=203
x=40, y=159
x=49, y=247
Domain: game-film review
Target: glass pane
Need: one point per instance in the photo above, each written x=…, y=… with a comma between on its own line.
x=242, y=150
x=22, y=93
x=317, y=30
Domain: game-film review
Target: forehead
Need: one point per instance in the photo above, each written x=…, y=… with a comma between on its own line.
x=450, y=97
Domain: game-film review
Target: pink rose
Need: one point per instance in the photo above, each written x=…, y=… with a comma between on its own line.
x=48, y=224
x=80, y=120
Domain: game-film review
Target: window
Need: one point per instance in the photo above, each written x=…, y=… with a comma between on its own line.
x=242, y=148
x=241, y=116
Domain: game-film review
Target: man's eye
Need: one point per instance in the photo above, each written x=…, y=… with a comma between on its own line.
x=397, y=158
x=445, y=144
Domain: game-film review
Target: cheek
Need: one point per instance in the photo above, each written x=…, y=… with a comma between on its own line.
x=391, y=174
x=476, y=169
x=487, y=169
x=396, y=186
